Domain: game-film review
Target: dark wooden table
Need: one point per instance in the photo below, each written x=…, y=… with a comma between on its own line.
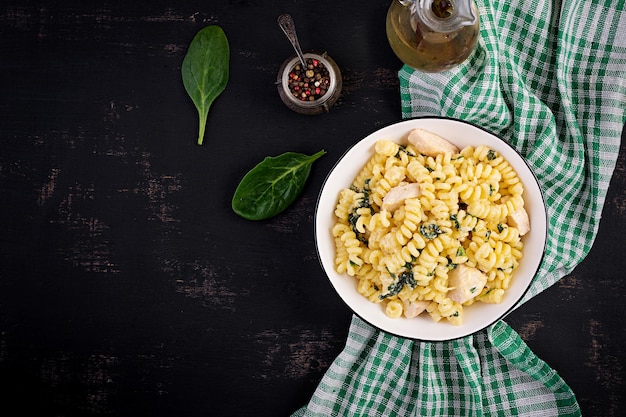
x=127, y=284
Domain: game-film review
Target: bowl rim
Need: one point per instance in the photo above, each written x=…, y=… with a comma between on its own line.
x=409, y=122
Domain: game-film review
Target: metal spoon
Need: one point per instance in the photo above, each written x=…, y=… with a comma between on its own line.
x=288, y=26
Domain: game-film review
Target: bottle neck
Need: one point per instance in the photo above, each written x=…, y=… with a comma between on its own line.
x=444, y=16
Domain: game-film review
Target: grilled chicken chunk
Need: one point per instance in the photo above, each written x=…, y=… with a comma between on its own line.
x=465, y=283
x=396, y=196
x=414, y=308
x=519, y=218
x=430, y=144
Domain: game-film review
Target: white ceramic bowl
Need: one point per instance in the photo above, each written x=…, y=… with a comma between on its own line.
x=477, y=316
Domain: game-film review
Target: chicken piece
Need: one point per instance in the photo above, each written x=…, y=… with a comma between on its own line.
x=465, y=283
x=430, y=144
x=519, y=218
x=396, y=196
x=414, y=308
x=386, y=280
x=388, y=243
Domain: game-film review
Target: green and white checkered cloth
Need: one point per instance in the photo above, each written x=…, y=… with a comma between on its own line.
x=550, y=78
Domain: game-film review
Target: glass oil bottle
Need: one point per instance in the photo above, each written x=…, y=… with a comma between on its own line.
x=432, y=35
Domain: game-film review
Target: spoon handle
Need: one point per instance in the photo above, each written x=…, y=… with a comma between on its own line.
x=289, y=27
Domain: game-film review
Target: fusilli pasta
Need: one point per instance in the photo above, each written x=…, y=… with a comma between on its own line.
x=403, y=253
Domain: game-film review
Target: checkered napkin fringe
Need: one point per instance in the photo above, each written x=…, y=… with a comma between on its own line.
x=550, y=78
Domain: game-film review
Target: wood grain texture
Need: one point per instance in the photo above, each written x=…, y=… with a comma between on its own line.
x=127, y=284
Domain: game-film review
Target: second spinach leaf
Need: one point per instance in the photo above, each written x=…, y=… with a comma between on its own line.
x=272, y=185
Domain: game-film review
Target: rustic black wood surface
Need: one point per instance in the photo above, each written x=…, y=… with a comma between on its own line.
x=127, y=284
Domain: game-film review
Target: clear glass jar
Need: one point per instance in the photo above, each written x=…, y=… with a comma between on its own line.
x=315, y=104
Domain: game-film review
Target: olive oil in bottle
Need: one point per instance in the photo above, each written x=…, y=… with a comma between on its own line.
x=432, y=35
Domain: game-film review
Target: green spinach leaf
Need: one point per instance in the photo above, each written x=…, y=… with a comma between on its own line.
x=430, y=231
x=272, y=185
x=205, y=71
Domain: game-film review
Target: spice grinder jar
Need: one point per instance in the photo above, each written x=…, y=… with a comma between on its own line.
x=311, y=90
